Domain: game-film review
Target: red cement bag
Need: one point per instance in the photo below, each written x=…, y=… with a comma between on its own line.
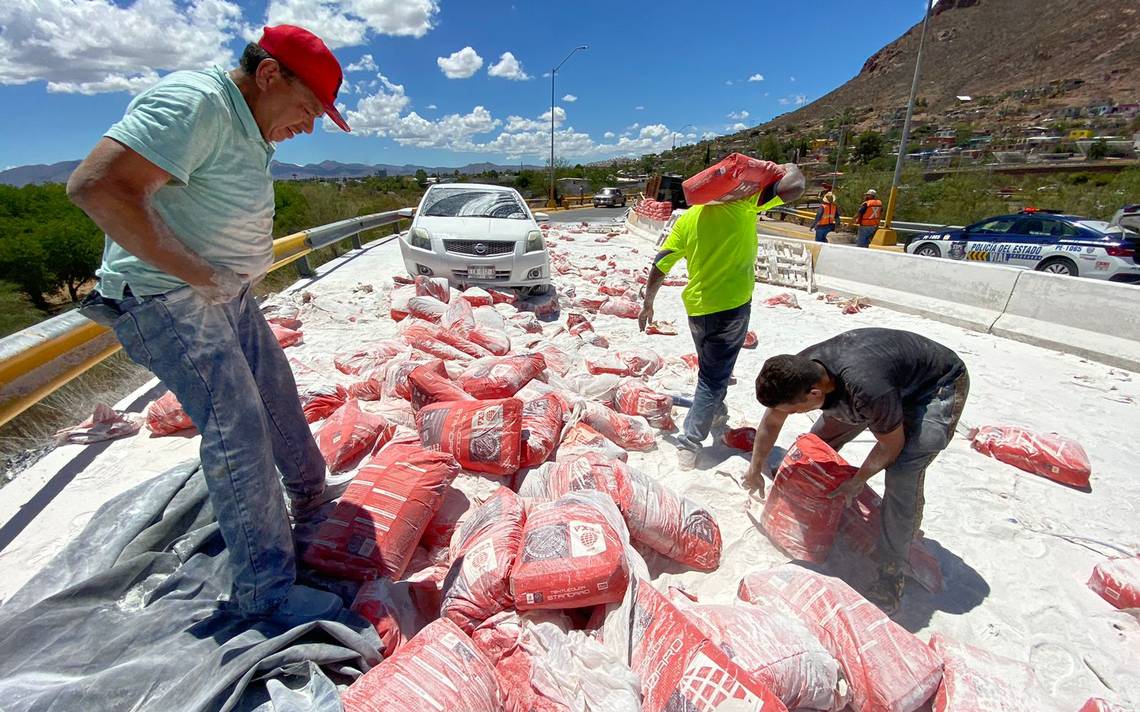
x=368, y=357
x=588, y=472
x=798, y=515
x=433, y=287
x=349, y=433
x=740, y=438
x=483, y=553
x=165, y=415
x=427, y=308
x=737, y=176
x=401, y=296
x=641, y=362
x=500, y=297
x=285, y=336
x=607, y=363
x=319, y=402
x=633, y=397
x=630, y=432
x=581, y=438
x=775, y=648
x=501, y=377
x=439, y=670
x=1096, y=704
x=417, y=332
x=391, y=609
x=681, y=669
x=427, y=386
x=483, y=435
x=477, y=297
x=976, y=681
x=888, y=668
x=1049, y=455
x=374, y=529
x=860, y=525
x=674, y=526
x=396, y=378
x=459, y=317
x=541, y=428
x=621, y=307
x=1118, y=581
x=572, y=554
x=289, y=322
x=751, y=340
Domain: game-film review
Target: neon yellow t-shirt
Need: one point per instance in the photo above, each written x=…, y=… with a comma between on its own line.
x=718, y=242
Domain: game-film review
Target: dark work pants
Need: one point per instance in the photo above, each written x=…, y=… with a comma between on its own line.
x=718, y=338
x=928, y=429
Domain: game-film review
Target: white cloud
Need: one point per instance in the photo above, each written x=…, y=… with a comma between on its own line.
x=431, y=106
x=709, y=134
x=633, y=127
x=639, y=107
x=756, y=77
x=381, y=114
x=569, y=98
x=737, y=115
x=792, y=80
x=796, y=99
x=346, y=23
x=728, y=82
x=737, y=127
x=508, y=68
x=100, y=46
x=461, y=64
x=364, y=64
x=608, y=135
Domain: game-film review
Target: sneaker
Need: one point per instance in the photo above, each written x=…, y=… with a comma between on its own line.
x=887, y=591
x=686, y=459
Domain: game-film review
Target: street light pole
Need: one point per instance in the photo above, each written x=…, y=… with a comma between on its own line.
x=554, y=71
x=886, y=235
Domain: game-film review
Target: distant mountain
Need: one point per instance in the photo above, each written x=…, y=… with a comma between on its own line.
x=58, y=172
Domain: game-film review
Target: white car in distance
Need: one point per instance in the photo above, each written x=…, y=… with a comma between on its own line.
x=477, y=235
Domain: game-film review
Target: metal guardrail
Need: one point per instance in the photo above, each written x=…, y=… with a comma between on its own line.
x=910, y=228
x=37, y=361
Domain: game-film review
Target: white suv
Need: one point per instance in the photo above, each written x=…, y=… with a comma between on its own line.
x=475, y=234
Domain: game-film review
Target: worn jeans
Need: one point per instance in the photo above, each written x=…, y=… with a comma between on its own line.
x=822, y=232
x=718, y=338
x=928, y=430
x=864, y=236
x=226, y=368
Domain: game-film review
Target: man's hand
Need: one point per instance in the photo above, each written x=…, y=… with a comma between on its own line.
x=224, y=286
x=754, y=480
x=849, y=490
x=646, y=315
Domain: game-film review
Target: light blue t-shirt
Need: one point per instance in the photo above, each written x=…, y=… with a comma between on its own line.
x=196, y=126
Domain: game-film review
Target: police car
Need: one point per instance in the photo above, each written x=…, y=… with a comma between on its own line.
x=1041, y=240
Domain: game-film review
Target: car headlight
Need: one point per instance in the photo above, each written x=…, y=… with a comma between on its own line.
x=419, y=237
x=534, y=241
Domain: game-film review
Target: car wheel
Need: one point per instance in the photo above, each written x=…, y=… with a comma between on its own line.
x=928, y=250
x=1059, y=265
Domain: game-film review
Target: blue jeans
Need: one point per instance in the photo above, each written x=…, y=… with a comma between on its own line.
x=718, y=338
x=229, y=373
x=822, y=232
x=865, y=235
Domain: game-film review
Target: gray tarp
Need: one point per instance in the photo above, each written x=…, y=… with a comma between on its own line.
x=127, y=618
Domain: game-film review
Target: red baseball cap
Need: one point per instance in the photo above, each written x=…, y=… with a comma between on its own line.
x=305, y=55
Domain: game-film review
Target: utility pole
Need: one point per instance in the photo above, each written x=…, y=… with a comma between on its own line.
x=554, y=71
x=885, y=235
x=675, y=135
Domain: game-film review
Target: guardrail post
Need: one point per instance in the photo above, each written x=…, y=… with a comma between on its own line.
x=356, y=243
x=305, y=269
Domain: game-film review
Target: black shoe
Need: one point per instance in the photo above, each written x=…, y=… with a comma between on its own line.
x=887, y=591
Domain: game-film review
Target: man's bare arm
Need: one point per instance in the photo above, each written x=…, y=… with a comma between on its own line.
x=114, y=186
x=766, y=434
x=883, y=454
x=656, y=279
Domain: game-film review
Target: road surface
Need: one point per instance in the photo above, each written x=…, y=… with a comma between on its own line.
x=587, y=214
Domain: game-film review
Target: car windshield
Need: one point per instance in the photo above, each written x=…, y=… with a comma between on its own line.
x=472, y=203
x=609, y=191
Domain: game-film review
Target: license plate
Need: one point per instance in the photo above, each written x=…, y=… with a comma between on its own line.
x=481, y=271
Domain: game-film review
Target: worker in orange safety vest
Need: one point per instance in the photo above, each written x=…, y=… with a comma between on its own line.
x=826, y=217
x=867, y=218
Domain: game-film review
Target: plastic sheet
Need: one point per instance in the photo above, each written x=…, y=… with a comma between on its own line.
x=483, y=435
x=349, y=433
x=376, y=524
x=440, y=669
x=541, y=428
x=572, y=555
x=1049, y=455
x=674, y=526
x=1118, y=581
x=634, y=397
x=976, y=681
x=888, y=668
x=502, y=376
x=165, y=416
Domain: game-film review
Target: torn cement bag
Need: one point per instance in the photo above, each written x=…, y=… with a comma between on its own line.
x=501, y=376
x=459, y=317
x=861, y=524
x=369, y=357
x=391, y=609
x=350, y=433
x=400, y=299
x=427, y=386
x=976, y=681
x=751, y=340
x=641, y=362
x=888, y=668
x=541, y=428
x=799, y=517
x=289, y=322
x=483, y=552
x=587, y=472
x=608, y=363
x=572, y=555
x=1049, y=455
x=620, y=307
x=580, y=438
x=674, y=526
x=743, y=439
x=1118, y=581
x=105, y=423
x=319, y=402
x=484, y=435
x=433, y=287
x=286, y=337
x=599, y=388
x=630, y=432
x=680, y=668
x=775, y=648
x=374, y=529
x=440, y=669
x=165, y=415
x=477, y=297
x=396, y=383
x=734, y=177
x=634, y=397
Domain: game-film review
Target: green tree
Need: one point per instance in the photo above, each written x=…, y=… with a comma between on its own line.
x=421, y=178
x=1098, y=150
x=24, y=262
x=73, y=248
x=770, y=149
x=869, y=146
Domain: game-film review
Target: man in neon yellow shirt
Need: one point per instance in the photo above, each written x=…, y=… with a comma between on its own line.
x=718, y=242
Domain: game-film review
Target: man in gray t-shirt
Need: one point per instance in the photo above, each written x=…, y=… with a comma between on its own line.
x=907, y=390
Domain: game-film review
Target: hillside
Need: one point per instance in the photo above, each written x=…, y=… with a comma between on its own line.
x=1031, y=58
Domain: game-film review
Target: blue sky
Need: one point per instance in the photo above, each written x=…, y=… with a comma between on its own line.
x=68, y=67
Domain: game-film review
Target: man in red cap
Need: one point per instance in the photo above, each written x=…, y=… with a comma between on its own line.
x=181, y=187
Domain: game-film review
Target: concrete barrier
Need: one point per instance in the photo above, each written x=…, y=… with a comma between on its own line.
x=1090, y=318
x=968, y=295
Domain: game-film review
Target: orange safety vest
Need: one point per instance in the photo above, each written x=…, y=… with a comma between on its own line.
x=873, y=212
x=828, y=216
